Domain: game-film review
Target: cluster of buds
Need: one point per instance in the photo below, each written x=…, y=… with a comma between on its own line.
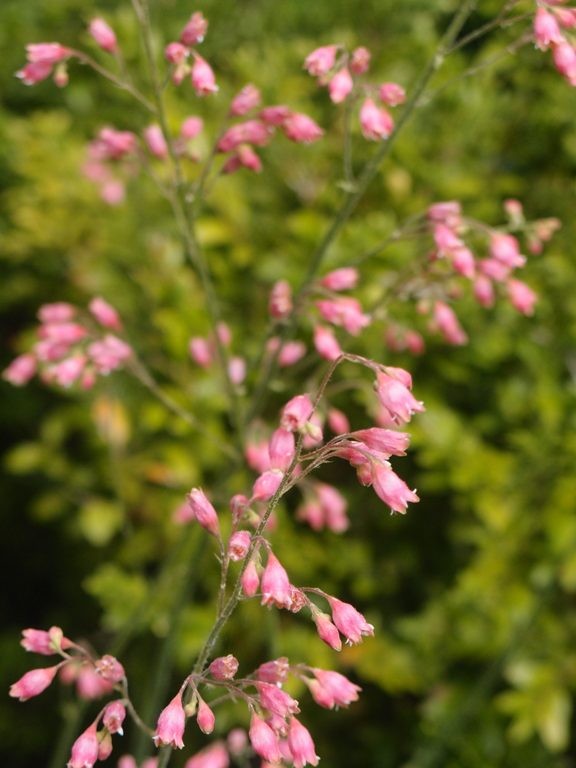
x=45, y=59
x=552, y=30
x=93, y=744
x=186, y=60
x=339, y=70
x=72, y=348
x=203, y=352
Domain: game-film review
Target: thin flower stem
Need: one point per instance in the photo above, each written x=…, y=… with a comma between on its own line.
x=124, y=85
x=184, y=217
x=353, y=197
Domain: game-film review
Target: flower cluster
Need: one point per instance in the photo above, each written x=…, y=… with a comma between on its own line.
x=552, y=30
x=72, y=347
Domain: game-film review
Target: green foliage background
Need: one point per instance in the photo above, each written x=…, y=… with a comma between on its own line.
x=473, y=593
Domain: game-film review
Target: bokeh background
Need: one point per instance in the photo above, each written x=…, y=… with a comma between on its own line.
x=473, y=593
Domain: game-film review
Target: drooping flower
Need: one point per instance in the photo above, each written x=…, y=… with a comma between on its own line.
x=349, y=621
x=301, y=745
x=85, y=749
x=171, y=724
x=103, y=35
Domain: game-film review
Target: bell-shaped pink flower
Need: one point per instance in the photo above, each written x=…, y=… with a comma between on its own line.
x=290, y=353
x=85, y=749
x=338, y=421
x=195, y=30
x=376, y=122
x=113, y=717
x=171, y=724
x=327, y=631
x=333, y=689
x=275, y=700
x=267, y=484
x=446, y=322
x=20, y=370
x=200, y=351
x=360, y=60
x=392, y=94
x=250, y=580
x=301, y=128
x=176, y=53
x=521, y=296
x=264, y=739
x=343, y=279
x=340, y=86
x=296, y=413
x=213, y=756
x=155, y=141
x=397, y=398
x=301, y=745
x=275, y=587
x=33, y=683
x=282, y=449
x=484, y=291
x=349, y=621
x=326, y=343
x=546, y=29
x=386, y=441
x=104, y=35
x=275, y=115
x=202, y=77
x=505, y=248
x=321, y=60
x=224, y=667
x=244, y=101
x=391, y=488
x=205, y=717
x=203, y=511
x=238, y=545
x=109, y=668
x=274, y=672
x=105, y=314
x=45, y=643
x=191, y=127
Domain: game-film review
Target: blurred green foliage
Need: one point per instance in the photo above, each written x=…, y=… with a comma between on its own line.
x=473, y=593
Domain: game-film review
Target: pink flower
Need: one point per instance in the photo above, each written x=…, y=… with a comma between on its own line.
x=392, y=94
x=290, y=353
x=59, y=312
x=104, y=35
x=340, y=86
x=449, y=212
x=176, y=53
x=191, y=127
x=564, y=56
x=45, y=643
x=360, y=61
x=200, y=351
x=390, y=488
x=195, y=30
x=105, y=314
x=282, y=449
x=463, y=262
x=20, y=370
x=321, y=60
x=546, y=29
x=274, y=672
x=249, y=132
x=113, y=717
x=267, y=484
x=446, y=322
x=224, y=667
x=213, y=756
x=275, y=115
x=326, y=343
x=112, y=144
x=238, y=545
x=301, y=745
x=171, y=724
x=338, y=421
x=244, y=101
x=85, y=749
x=33, y=683
x=109, y=353
x=349, y=621
x=327, y=631
x=34, y=72
x=264, y=740
x=202, y=77
x=276, y=700
x=342, y=279
x=109, y=668
x=275, y=586
x=332, y=689
x=280, y=301
x=301, y=128
x=205, y=717
x=155, y=141
x=50, y=53
x=90, y=685
x=296, y=413
x=376, y=123
x=203, y=511
x=344, y=311
x=237, y=369
x=250, y=580
x=396, y=397
x=521, y=296
x=505, y=248
x=386, y=441
x=484, y=291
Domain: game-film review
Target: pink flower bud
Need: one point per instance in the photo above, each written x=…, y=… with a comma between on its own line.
x=296, y=413
x=321, y=60
x=376, y=123
x=33, y=683
x=396, y=397
x=205, y=717
x=340, y=86
x=237, y=369
x=264, y=740
x=237, y=741
x=90, y=685
x=290, y=353
x=224, y=667
x=327, y=631
x=155, y=141
x=171, y=724
x=191, y=127
x=450, y=213
x=238, y=545
x=484, y=291
x=202, y=77
x=275, y=584
x=109, y=353
x=342, y=279
x=267, y=484
x=546, y=29
x=301, y=745
x=85, y=749
x=109, y=668
x=105, y=746
x=326, y=343
x=20, y=370
x=338, y=421
x=301, y=128
x=113, y=717
x=282, y=449
x=176, y=53
x=344, y=311
x=360, y=61
x=446, y=322
x=521, y=296
x=195, y=30
x=274, y=672
x=275, y=116
x=333, y=506
x=392, y=94
x=386, y=441
x=45, y=643
x=250, y=580
x=200, y=351
x=349, y=621
x=245, y=101
x=333, y=689
x=280, y=302
x=203, y=511
x=105, y=314
x=104, y=35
